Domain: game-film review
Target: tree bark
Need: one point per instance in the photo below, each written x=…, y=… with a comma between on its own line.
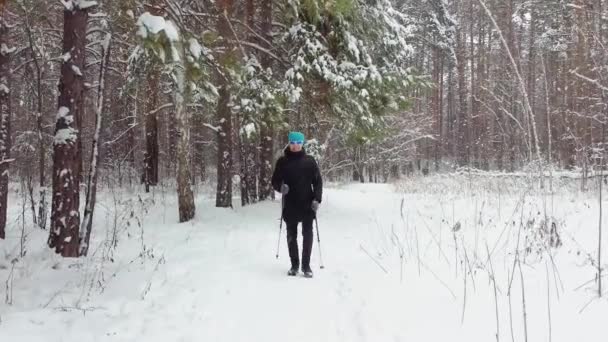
x=87, y=222
x=224, y=158
x=42, y=208
x=223, y=197
x=151, y=127
x=248, y=148
x=198, y=155
x=267, y=130
x=186, y=205
x=436, y=106
x=67, y=159
x=150, y=172
x=5, y=121
x=463, y=117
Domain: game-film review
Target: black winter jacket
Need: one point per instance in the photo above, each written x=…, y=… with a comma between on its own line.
x=301, y=173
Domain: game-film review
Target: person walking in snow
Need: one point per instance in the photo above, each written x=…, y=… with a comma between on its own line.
x=297, y=177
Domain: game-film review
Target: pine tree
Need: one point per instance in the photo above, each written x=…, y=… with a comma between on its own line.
x=67, y=155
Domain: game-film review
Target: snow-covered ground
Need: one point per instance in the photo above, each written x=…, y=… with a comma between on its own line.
x=415, y=261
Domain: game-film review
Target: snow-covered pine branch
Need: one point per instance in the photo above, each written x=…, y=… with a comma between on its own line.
x=70, y=5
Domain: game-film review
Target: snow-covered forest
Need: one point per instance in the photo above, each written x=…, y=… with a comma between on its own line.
x=461, y=144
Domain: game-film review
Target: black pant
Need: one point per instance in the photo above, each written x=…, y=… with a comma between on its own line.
x=292, y=242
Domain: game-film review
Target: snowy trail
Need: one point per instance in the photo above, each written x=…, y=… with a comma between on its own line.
x=229, y=287
x=216, y=279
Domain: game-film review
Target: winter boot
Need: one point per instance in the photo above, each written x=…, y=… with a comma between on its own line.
x=307, y=272
x=292, y=271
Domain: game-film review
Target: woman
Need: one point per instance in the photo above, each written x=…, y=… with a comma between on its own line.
x=297, y=176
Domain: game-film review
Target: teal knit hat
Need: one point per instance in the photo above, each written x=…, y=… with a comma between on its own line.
x=296, y=136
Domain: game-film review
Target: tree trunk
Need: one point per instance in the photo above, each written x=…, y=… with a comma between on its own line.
x=484, y=123
x=248, y=174
x=243, y=169
x=186, y=206
x=436, y=106
x=42, y=208
x=198, y=155
x=449, y=142
x=152, y=85
x=223, y=197
x=266, y=148
x=355, y=173
x=87, y=222
x=172, y=142
x=132, y=119
x=267, y=130
x=247, y=139
x=5, y=121
x=532, y=62
x=463, y=119
x=394, y=172
x=151, y=153
x=224, y=149
x=473, y=132
x=67, y=159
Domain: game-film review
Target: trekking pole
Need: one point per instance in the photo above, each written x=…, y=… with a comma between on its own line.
x=280, y=224
x=319, y=242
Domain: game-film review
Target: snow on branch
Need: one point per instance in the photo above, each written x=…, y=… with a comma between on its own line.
x=590, y=80
x=76, y=70
x=153, y=24
x=213, y=128
x=85, y=4
x=7, y=161
x=149, y=23
x=67, y=134
x=5, y=50
x=71, y=5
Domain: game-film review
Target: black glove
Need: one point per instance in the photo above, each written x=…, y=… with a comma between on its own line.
x=315, y=206
x=284, y=189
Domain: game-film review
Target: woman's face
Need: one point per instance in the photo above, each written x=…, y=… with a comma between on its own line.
x=295, y=146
